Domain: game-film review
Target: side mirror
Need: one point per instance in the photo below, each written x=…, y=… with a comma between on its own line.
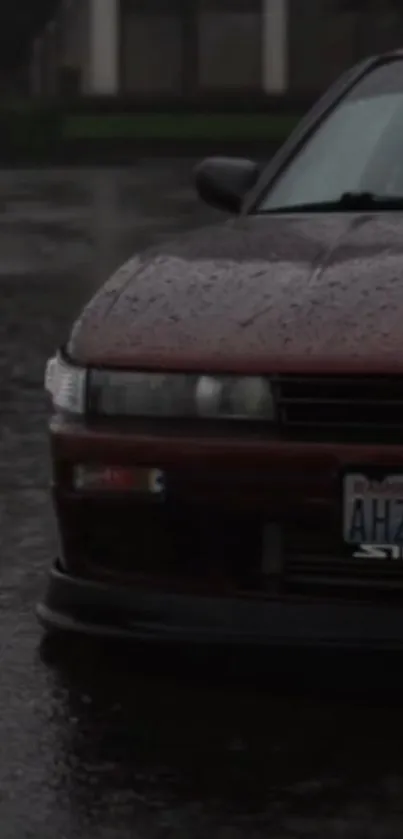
x=223, y=182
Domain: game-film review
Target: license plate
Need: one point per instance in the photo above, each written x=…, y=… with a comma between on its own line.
x=373, y=510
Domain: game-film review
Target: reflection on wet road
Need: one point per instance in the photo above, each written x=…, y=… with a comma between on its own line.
x=112, y=747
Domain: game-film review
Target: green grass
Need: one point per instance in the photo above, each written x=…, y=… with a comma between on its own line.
x=161, y=126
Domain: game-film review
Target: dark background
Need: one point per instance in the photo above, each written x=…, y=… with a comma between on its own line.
x=21, y=20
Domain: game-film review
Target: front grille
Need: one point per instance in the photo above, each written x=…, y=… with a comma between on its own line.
x=356, y=406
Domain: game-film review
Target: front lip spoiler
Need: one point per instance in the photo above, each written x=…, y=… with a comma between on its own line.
x=73, y=604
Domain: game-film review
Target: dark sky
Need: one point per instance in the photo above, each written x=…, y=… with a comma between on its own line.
x=19, y=22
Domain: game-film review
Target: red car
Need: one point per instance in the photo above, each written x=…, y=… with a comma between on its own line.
x=227, y=429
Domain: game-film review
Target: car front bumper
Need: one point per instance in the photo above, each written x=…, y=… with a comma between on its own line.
x=97, y=609
x=193, y=566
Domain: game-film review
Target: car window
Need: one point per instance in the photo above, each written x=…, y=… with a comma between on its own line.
x=358, y=148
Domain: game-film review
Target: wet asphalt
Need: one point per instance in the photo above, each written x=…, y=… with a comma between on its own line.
x=117, y=742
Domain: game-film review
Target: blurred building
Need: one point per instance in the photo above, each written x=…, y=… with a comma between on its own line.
x=146, y=47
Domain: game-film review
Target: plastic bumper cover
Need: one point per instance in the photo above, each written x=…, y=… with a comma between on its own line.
x=93, y=608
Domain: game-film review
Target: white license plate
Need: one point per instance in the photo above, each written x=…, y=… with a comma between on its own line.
x=373, y=510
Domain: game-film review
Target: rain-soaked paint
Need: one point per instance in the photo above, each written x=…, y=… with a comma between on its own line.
x=259, y=293
x=117, y=743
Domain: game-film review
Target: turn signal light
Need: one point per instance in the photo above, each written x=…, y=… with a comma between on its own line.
x=119, y=478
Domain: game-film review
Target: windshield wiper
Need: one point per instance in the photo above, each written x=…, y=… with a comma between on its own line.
x=347, y=202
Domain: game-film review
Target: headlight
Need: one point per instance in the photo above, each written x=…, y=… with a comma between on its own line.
x=230, y=396
x=179, y=395
x=66, y=385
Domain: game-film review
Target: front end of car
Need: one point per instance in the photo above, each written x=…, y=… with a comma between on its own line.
x=222, y=508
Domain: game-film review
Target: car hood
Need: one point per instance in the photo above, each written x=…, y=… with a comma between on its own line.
x=273, y=294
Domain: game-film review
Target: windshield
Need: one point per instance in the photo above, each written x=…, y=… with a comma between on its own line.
x=357, y=149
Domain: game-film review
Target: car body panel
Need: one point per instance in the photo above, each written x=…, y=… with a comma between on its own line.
x=143, y=444
x=267, y=294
